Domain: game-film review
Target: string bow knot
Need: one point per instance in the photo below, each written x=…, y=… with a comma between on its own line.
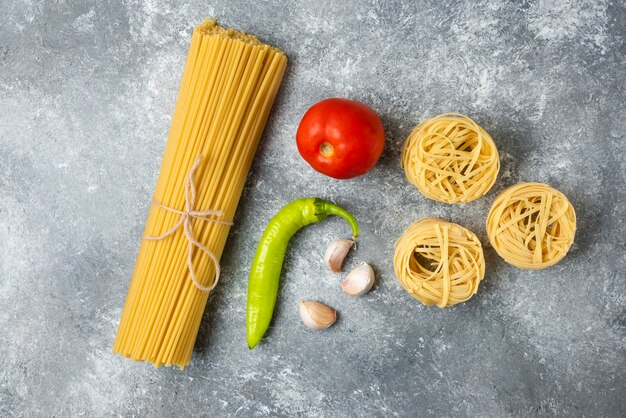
x=185, y=222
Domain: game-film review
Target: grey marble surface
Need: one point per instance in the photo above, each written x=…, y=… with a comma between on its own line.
x=87, y=91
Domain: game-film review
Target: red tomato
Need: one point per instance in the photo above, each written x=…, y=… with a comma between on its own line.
x=341, y=138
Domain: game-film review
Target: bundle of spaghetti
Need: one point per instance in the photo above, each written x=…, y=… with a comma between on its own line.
x=531, y=225
x=439, y=262
x=451, y=159
x=228, y=87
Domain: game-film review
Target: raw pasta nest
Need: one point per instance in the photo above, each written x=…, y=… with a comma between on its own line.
x=531, y=225
x=439, y=262
x=451, y=159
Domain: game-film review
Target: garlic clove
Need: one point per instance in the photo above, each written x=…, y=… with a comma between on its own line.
x=359, y=281
x=336, y=253
x=317, y=316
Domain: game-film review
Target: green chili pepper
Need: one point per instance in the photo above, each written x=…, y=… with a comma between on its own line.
x=268, y=261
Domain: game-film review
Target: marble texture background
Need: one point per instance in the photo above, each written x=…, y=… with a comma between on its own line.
x=87, y=90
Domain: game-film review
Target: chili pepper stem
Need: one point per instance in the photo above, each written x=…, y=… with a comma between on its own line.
x=332, y=209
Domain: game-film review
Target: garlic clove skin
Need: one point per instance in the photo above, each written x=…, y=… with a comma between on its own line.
x=317, y=316
x=336, y=253
x=359, y=281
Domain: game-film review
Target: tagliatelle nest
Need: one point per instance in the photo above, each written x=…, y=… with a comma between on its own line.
x=531, y=225
x=439, y=262
x=451, y=159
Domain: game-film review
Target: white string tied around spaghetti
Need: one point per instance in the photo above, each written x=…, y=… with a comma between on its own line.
x=185, y=222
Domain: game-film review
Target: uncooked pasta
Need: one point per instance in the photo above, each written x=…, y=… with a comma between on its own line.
x=531, y=225
x=451, y=159
x=228, y=88
x=439, y=262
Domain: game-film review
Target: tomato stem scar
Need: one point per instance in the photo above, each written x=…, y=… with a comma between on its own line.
x=326, y=149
